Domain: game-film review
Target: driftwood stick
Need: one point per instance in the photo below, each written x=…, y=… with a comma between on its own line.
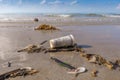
x=43, y=42
x=7, y=75
x=62, y=63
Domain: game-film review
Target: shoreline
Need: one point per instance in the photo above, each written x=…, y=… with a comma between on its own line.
x=59, y=24
x=59, y=21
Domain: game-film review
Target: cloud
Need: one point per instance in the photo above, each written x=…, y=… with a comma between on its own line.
x=74, y=2
x=43, y=2
x=19, y=2
x=118, y=7
x=56, y=2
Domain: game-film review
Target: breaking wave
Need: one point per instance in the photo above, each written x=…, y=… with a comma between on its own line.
x=28, y=18
x=58, y=15
x=113, y=15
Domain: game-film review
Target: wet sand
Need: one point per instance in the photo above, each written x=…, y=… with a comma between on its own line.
x=98, y=39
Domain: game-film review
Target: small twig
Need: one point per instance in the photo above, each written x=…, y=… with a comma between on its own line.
x=43, y=42
x=63, y=63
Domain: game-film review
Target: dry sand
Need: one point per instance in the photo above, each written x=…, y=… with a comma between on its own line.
x=98, y=39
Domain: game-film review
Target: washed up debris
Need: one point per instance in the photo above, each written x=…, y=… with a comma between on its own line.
x=62, y=44
x=9, y=64
x=94, y=73
x=117, y=62
x=40, y=48
x=65, y=41
x=36, y=19
x=18, y=72
x=97, y=59
x=43, y=42
x=65, y=49
x=37, y=49
x=62, y=63
x=46, y=27
x=32, y=49
x=73, y=70
x=77, y=70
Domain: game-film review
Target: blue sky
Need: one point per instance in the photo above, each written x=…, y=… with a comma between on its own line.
x=59, y=6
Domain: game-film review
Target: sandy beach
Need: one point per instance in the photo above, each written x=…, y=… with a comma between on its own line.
x=95, y=38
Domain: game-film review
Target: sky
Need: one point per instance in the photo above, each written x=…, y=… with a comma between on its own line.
x=60, y=6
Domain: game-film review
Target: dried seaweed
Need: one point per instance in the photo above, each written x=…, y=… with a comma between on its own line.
x=46, y=27
x=18, y=72
x=97, y=59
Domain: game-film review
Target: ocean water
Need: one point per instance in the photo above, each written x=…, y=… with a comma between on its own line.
x=64, y=16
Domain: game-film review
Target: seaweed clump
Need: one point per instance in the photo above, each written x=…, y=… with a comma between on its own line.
x=46, y=27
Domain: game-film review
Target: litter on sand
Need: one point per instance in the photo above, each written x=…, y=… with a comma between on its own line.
x=73, y=70
x=77, y=70
x=46, y=27
x=62, y=44
x=18, y=72
x=65, y=41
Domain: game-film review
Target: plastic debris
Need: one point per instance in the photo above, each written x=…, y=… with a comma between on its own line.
x=65, y=41
x=77, y=70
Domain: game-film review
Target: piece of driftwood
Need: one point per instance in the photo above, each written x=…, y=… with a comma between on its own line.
x=39, y=48
x=62, y=63
x=43, y=42
x=65, y=49
x=97, y=59
x=18, y=72
x=8, y=74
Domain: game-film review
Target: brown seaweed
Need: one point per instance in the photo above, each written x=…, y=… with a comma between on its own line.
x=18, y=72
x=46, y=27
x=97, y=59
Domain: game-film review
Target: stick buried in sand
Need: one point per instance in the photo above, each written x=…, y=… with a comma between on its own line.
x=62, y=63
